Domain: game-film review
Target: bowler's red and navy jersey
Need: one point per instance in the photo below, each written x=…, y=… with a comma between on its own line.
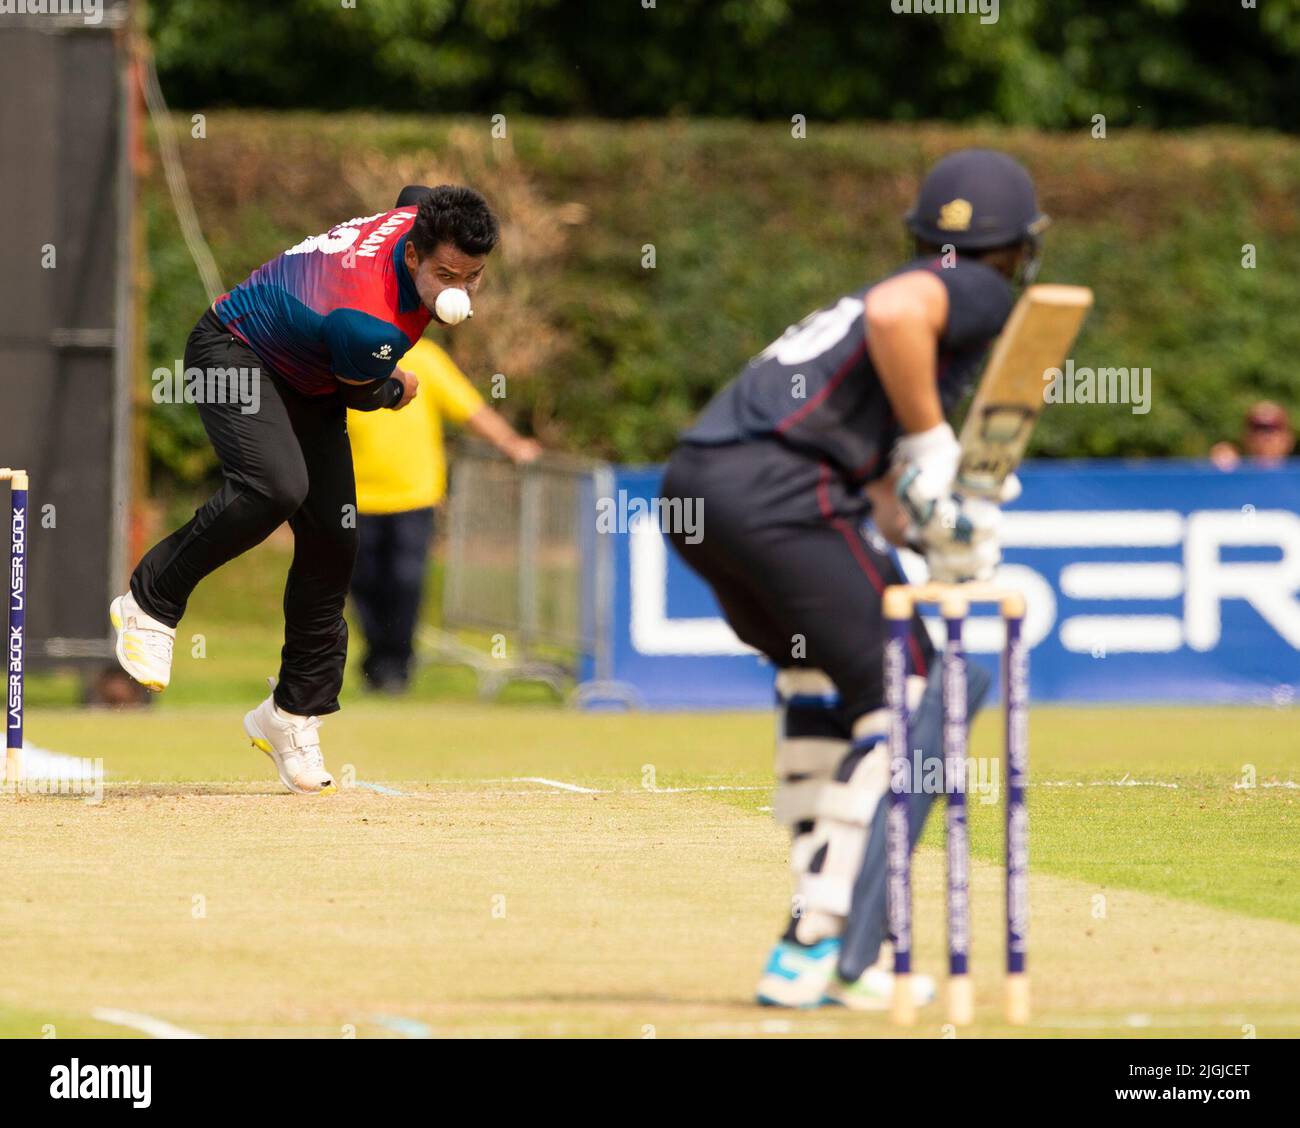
x=342, y=303
x=816, y=390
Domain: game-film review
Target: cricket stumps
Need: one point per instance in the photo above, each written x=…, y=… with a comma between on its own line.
x=954, y=601
x=17, y=624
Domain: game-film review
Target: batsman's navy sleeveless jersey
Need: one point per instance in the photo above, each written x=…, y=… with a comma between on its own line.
x=815, y=387
x=340, y=303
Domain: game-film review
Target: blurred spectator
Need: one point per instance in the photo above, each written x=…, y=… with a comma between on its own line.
x=401, y=476
x=1266, y=439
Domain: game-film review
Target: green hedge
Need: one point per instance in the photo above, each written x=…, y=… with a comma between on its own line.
x=1044, y=63
x=752, y=229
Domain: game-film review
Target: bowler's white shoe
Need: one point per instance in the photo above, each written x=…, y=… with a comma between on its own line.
x=293, y=743
x=144, y=645
x=874, y=988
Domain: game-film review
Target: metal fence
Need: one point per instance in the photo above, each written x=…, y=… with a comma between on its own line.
x=526, y=581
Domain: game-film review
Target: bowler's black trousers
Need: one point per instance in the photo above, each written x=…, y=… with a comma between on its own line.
x=783, y=549
x=287, y=461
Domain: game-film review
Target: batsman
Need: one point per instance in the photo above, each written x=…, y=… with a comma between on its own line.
x=845, y=418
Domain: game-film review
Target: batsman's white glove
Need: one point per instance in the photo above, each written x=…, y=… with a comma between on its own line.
x=927, y=464
x=958, y=536
x=965, y=544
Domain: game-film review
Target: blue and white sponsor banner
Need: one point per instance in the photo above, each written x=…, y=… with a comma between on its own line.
x=1146, y=582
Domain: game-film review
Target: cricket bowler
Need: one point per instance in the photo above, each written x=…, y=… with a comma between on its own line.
x=844, y=418
x=320, y=329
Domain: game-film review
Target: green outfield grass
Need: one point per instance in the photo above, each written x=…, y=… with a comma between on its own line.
x=1166, y=897
x=1166, y=893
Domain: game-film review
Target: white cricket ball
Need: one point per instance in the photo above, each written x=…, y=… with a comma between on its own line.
x=452, y=306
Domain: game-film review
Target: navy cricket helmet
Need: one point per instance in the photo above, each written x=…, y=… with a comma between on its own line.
x=975, y=200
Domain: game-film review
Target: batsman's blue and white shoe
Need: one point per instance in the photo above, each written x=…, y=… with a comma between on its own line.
x=874, y=988
x=293, y=743
x=144, y=645
x=797, y=975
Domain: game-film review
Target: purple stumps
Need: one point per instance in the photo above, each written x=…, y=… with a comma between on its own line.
x=1015, y=673
x=14, y=638
x=899, y=826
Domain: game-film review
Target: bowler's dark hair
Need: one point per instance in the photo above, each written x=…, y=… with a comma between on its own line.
x=452, y=214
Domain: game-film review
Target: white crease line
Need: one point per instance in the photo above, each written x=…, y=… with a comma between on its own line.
x=378, y=788
x=682, y=790
x=761, y=1026
x=557, y=783
x=154, y=1027
x=399, y=1024
x=1125, y=782
x=622, y=791
x=1157, y=1022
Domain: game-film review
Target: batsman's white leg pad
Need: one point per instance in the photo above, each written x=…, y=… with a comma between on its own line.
x=811, y=745
x=841, y=812
x=807, y=700
x=808, y=756
x=806, y=686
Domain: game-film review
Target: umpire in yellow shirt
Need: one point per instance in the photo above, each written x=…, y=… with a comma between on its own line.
x=401, y=472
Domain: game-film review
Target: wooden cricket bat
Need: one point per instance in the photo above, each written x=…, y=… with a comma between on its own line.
x=1036, y=337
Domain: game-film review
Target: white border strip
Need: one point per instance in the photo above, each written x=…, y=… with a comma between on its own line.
x=147, y=1024
x=558, y=784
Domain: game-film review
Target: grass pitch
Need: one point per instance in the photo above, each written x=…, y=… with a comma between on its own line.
x=523, y=870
